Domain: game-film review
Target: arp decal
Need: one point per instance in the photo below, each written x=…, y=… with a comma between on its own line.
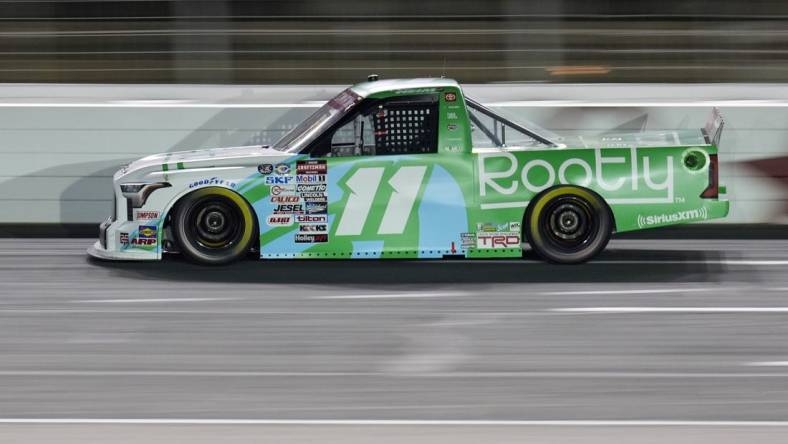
x=280, y=220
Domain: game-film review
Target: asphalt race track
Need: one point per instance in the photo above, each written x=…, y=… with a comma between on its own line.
x=656, y=341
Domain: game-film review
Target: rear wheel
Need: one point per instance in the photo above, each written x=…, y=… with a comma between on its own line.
x=213, y=226
x=568, y=224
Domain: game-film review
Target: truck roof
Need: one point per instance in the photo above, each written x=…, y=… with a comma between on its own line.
x=365, y=89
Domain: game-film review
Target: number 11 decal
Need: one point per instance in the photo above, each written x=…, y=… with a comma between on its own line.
x=364, y=184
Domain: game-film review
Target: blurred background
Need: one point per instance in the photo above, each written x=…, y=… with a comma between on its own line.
x=340, y=42
x=659, y=340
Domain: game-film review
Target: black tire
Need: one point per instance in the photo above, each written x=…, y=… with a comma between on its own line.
x=213, y=226
x=568, y=224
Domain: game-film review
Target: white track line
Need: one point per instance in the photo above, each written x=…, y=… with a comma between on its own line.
x=689, y=310
x=393, y=295
x=758, y=262
x=155, y=300
x=768, y=364
x=434, y=375
x=643, y=291
x=397, y=422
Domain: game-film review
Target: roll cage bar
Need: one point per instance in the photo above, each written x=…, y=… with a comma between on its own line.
x=504, y=121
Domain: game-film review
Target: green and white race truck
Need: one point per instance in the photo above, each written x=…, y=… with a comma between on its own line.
x=412, y=169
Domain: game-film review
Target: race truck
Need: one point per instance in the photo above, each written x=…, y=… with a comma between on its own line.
x=405, y=169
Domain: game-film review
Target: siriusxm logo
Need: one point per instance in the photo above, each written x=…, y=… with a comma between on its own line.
x=672, y=218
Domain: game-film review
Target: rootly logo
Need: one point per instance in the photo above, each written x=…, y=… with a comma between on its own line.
x=508, y=175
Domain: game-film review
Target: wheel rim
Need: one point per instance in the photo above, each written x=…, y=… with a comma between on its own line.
x=569, y=224
x=214, y=223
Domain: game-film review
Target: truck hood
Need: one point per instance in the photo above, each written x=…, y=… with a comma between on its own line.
x=214, y=157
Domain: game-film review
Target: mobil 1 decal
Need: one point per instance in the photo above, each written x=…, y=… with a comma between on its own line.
x=312, y=190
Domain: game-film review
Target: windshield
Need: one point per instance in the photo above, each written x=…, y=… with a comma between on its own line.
x=315, y=124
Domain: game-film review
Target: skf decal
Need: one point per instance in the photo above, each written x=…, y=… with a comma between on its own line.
x=278, y=180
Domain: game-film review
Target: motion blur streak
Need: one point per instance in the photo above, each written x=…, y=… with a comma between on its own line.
x=340, y=42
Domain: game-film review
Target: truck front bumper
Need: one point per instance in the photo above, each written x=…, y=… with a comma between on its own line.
x=118, y=241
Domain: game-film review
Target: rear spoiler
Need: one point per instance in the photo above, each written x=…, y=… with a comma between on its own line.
x=712, y=131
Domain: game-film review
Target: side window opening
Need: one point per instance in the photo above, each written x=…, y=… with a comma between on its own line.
x=398, y=125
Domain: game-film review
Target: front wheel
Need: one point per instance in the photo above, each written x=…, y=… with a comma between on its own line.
x=213, y=226
x=568, y=224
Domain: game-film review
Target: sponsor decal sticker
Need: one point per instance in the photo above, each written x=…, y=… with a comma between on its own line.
x=486, y=227
x=497, y=240
x=302, y=238
x=311, y=178
x=148, y=231
x=302, y=218
x=146, y=214
x=311, y=188
x=451, y=127
x=278, y=180
x=670, y=218
x=279, y=189
x=211, y=181
x=311, y=167
x=265, y=168
x=284, y=199
x=288, y=208
x=280, y=220
x=282, y=169
x=643, y=173
x=313, y=228
x=146, y=236
x=316, y=199
x=124, y=238
x=468, y=240
x=450, y=97
x=316, y=208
